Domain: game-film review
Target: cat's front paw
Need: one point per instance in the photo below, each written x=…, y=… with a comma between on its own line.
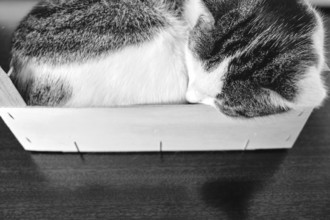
x=247, y=107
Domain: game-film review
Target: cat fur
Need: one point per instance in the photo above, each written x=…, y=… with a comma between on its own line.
x=246, y=58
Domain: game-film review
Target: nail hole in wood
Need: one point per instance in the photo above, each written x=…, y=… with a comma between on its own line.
x=246, y=145
x=288, y=138
x=161, y=149
x=78, y=150
x=11, y=115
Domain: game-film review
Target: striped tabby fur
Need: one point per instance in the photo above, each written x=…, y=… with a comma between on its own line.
x=247, y=58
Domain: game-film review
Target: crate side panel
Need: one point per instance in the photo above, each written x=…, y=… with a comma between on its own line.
x=148, y=128
x=9, y=96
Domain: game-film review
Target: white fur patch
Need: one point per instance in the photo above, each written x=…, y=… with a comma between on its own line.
x=10, y=71
x=204, y=85
x=278, y=101
x=318, y=40
x=193, y=9
x=311, y=88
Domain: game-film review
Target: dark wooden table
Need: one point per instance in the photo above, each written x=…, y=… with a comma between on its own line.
x=292, y=184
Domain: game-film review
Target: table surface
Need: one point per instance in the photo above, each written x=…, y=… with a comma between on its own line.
x=281, y=184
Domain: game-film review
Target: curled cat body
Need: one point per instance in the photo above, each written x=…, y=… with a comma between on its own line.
x=247, y=58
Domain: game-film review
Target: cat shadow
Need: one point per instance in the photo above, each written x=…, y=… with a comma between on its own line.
x=123, y=186
x=129, y=180
x=234, y=190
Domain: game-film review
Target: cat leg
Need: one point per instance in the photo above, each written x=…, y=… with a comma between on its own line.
x=41, y=89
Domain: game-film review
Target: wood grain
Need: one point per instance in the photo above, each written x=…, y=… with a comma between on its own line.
x=9, y=96
x=320, y=3
x=149, y=128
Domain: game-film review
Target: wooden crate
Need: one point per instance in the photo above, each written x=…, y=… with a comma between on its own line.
x=320, y=3
x=149, y=128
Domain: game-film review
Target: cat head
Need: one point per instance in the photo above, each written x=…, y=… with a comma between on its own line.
x=254, y=58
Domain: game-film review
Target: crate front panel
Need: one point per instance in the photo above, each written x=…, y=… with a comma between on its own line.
x=149, y=128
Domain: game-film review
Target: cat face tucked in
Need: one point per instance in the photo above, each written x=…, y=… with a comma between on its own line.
x=253, y=58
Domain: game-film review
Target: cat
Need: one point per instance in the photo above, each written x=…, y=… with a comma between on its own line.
x=246, y=58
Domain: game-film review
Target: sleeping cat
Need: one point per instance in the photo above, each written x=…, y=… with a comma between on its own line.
x=246, y=58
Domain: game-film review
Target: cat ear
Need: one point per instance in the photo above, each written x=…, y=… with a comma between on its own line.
x=195, y=11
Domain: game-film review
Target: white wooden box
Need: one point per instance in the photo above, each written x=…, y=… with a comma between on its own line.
x=149, y=128
x=321, y=3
